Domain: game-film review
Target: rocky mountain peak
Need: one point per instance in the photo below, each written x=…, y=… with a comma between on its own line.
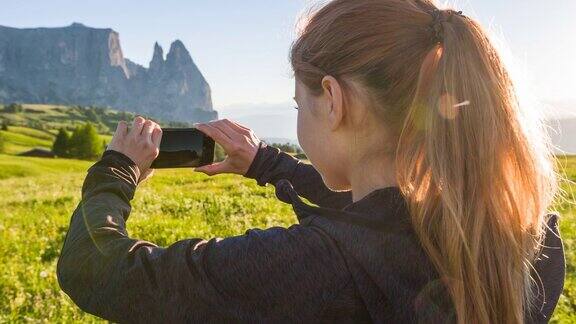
x=157, y=58
x=81, y=65
x=158, y=52
x=178, y=54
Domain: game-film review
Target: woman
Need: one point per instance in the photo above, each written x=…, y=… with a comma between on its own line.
x=432, y=193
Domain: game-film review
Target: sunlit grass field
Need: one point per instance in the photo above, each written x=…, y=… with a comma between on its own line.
x=20, y=139
x=38, y=196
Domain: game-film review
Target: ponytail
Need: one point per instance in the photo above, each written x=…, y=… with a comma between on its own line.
x=477, y=188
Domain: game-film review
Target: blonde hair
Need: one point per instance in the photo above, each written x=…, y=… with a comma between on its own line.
x=477, y=178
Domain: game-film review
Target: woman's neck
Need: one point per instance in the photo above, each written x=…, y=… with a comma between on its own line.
x=366, y=177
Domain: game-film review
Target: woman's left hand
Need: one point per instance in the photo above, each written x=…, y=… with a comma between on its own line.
x=141, y=143
x=239, y=142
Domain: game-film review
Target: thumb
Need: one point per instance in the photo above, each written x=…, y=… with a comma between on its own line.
x=212, y=169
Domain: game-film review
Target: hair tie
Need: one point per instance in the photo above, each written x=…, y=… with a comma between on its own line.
x=439, y=17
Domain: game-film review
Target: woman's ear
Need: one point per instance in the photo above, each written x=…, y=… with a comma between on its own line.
x=336, y=109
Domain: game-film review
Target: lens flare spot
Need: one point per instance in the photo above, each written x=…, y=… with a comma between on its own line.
x=449, y=108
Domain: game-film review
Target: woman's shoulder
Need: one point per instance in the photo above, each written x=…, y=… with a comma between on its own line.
x=548, y=271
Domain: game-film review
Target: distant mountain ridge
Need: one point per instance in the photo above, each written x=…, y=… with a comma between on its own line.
x=79, y=65
x=563, y=135
x=278, y=123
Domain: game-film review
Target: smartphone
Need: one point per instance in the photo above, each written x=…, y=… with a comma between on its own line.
x=184, y=148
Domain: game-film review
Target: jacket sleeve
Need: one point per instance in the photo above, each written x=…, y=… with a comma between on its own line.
x=269, y=275
x=271, y=165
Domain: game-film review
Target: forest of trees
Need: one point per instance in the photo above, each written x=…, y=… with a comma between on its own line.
x=287, y=147
x=13, y=108
x=295, y=149
x=84, y=143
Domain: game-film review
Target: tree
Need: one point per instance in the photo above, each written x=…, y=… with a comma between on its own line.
x=90, y=113
x=2, y=144
x=61, y=146
x=74, y=142
x=5, y=125
x=36, y=124
x=85, y=143
x=126, y=116
x=287, y=147
x=14, y=108
x=91, y=146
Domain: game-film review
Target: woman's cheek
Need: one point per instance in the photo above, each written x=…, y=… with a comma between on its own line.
x=307, y=136
x=299, y=133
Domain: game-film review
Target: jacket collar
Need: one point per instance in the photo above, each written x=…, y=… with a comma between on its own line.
x=378, y=210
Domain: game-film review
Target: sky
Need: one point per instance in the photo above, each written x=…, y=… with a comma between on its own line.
x=242, y=47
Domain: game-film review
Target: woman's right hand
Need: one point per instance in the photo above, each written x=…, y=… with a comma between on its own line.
x=239, y=143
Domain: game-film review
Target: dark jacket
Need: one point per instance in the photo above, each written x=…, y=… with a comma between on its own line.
x=344, y=262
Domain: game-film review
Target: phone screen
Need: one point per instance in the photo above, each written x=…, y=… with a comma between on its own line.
x=184, y=148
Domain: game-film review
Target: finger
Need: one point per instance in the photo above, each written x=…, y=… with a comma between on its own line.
x=121, y=129
x=137, y=125
x=147, y=130
x=157, y=136
x=224, y=128
x=237, y=127
x=217, y=135
x=213, y=169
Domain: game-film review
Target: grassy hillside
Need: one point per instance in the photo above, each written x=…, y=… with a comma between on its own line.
x=21, y=139
x=37, y=125
x=53, y=117
x=39, y=195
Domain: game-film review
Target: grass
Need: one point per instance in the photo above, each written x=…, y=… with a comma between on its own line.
x=19, y=167
x=38, y=196
x=53, y=117
x=21, y=139
x=18, y=141
x=33, y=133
x=566, y=309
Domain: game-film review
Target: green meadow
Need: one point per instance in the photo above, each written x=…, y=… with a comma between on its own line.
x=38, y=196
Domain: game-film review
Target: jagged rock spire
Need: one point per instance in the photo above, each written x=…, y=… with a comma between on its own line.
x=178, y=54
x=157, y=58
